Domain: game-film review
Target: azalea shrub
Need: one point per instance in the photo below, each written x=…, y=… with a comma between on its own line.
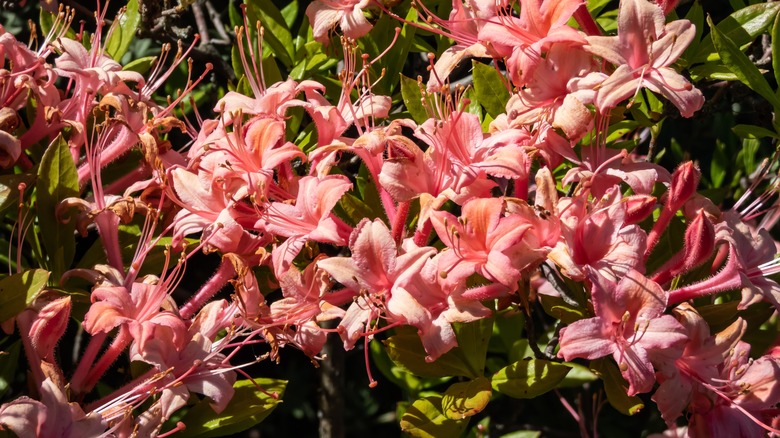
x=562, y=209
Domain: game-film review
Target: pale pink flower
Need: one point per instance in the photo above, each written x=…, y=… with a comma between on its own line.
x=376, y=273
x=484, y=239
x=348, y=14
x=523, y=40
x=629, y=325
x=643, y=50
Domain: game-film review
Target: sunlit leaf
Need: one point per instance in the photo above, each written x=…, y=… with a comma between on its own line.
x=741, y=27
x=123, y=34
x=19, y=290
x=406, y=350
x=529, y=378
x=466, y=399
x=412, y=96
x=741, y=66
x=425, y=418
x=57, y=180
x=248, y=407
x=491, y=89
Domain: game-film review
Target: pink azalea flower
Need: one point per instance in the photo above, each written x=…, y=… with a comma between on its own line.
x=557, y=91
x=643, y=50
x=606, y=239
x=523, y=40
x=308, y=218
x=629, y=325
x=682, y=375
x=484, y=239
x=377, y=272
x=348, y=14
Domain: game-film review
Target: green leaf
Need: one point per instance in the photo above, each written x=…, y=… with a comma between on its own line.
x=491, y=91
x=616, y=387
x=713, y=71
x=46, y=21
x=529, y=378
x=248, y=407
x=754, y=132
x=9, y=189
x=741, y=27
x=559, y=309
x=276, y=32
x=425, y=418
x=406, y=350
x=123, y=34
x=412, y=96
x=578, y=376
x=696, y=16
x=57, y=180
x=741, y=66
x=140, y=65
x=776, y=49
x=719, y=164
x=19, y=290
x=473, y=341
x=466, y=399
x=356, y=210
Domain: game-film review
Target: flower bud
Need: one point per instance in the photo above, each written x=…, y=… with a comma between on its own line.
x=685, y=179
x=638, y=207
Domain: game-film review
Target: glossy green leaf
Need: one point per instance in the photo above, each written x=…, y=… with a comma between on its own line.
x=577, y=376
x=140, y=65
x=412, y=96
x=248, y=407
x=57, y=180
x=466, y=399
x=752, y=131
x=491, y=89
x=529, y=378
x=425, y=418
x=9, y=189
x=276, y=32
x=741, y=27
x=559, y=309
x=713, y=71
x=406, y=350
x=741, y=66
x=696, y=16
x=776, y=49
x=123, y=34
x=616, y=387
x=473, y=341
x=19, y=290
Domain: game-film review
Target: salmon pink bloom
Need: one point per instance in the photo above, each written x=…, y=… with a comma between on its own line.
x=643, y=50
x=629, y=325
x=523, y=40
x=348, y=14
x=376, y=272
x=484, y=239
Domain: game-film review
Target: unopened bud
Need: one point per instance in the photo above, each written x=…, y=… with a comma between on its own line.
x=699, y=241
x=685, y=179
x=638, y=207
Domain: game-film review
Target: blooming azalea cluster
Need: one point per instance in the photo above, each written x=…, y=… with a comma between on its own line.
x=469, y=213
